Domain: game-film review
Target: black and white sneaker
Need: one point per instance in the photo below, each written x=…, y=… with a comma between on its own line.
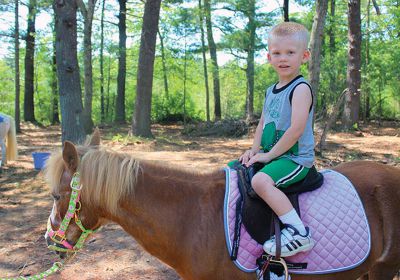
x=292, y=242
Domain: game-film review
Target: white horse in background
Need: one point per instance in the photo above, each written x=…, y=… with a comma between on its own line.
x=8, y=139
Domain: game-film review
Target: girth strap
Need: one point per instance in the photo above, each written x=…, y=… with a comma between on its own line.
x=238, y=220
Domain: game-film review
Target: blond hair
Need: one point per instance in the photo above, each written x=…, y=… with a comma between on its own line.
x=290, y=29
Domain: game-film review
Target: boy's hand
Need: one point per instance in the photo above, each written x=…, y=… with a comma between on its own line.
x=247, y=155
x=260, y=157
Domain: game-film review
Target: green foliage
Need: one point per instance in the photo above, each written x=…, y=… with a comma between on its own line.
x=179, y=26
x=7, y=87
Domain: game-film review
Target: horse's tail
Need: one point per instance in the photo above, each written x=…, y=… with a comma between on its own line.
x=12, y=152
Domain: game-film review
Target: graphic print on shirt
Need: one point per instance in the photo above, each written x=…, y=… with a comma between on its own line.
x=271, y=136
x=274, y=108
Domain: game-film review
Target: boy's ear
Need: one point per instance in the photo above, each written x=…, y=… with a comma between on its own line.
x=306, y=55
x=268, y=57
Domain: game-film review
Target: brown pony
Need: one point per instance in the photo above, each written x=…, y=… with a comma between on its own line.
x=177, y=215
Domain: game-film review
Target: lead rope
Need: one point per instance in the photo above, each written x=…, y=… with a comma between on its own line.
x=76, y=187
x=56, y=267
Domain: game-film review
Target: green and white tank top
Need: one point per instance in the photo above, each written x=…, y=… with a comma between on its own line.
x=277, y=119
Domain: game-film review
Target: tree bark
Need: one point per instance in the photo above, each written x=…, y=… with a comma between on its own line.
x=120, y=116
x=29, y=105
x=108, y=90
x=142, y=119
x=102, y=113
x=213, y=53
x=203, y=51
x=352, y=98
x=164, y=66
x=314, y=66
x=184, y=82
x=251, y=29
x=376, y=6
x=332, y=72
x=286, y=10
x=367, y=57
x=87, y=13
x=330, y=121
x=68, y=71
x=55, y=119
x=17, y=72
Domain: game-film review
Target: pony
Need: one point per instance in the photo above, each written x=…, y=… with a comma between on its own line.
x=177, y=215
x=8, y=139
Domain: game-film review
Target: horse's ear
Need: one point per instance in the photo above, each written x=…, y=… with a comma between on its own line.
x=70, y=156
x=95, y=138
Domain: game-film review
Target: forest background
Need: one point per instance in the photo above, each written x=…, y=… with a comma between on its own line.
x=210, y=60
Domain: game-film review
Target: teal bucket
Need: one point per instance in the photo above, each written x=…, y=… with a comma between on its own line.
x=39, y=159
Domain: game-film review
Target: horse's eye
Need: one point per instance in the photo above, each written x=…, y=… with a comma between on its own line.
x=56, y=196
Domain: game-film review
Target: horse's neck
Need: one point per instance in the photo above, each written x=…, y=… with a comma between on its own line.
x=169, y=208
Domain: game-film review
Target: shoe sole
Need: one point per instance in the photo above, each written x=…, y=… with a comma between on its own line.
x=305, y=248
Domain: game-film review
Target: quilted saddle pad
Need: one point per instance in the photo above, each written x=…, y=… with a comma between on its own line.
x=335, y=215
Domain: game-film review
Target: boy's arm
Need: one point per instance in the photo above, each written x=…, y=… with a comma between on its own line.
x=301, y=103
x=255, y=148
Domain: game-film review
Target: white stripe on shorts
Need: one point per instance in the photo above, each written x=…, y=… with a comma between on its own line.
x=290, y=176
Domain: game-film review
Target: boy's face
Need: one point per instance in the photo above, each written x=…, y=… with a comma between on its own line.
x=286, y=54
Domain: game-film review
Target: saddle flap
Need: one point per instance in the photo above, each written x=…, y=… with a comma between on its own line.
x=257, y=216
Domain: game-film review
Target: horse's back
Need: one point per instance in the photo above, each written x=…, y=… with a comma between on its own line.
x=378, y=186
x=369, y=175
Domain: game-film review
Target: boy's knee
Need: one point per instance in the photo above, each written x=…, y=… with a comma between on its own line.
x=261, y=181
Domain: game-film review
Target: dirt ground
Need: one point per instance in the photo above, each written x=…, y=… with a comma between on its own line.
x=25, y=202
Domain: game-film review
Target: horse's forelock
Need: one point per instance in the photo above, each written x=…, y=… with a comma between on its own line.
x=107, y=176
x=54, y=169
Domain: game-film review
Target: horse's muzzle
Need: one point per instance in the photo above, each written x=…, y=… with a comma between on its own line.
x=50, y=242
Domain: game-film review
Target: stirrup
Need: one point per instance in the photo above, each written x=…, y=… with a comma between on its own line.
x=283, y=263
x=271, y=259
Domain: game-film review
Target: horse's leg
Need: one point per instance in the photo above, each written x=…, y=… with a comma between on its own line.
x=364, y=277
x=3, y=152
x=382, y=272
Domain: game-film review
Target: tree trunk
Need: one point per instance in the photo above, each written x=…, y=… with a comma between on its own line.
x=87, y=13
x=164, y=66
x=54, y=91
x=203, y=51
x=286, y=10
x=352, y=98
x=184, y=82
x=378, y=11
x=102, y=113
x=68, y=71
x=367, y=77
x=108, y=90
x=142, y=119
x=29, y=106
x=17, y=73
x=213, y=53
x=120, y=116
x=314, y=66
x=332, y=72
x=251, y=27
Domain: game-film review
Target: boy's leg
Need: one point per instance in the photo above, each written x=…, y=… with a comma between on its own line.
x=283, y=172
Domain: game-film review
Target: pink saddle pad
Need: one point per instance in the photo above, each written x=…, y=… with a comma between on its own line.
x=335, y=215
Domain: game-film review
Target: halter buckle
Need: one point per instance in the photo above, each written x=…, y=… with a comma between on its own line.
x=58, y=238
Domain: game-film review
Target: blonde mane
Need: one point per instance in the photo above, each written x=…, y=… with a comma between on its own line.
x=106, y=175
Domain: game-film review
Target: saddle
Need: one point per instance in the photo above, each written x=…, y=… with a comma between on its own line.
x=258, y=218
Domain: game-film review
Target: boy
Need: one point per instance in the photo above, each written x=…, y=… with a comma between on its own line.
x=284, y=139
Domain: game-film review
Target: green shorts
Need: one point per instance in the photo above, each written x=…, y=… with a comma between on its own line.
x=283, y=171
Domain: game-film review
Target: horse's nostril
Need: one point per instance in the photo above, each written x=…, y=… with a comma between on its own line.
x=48, y=239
